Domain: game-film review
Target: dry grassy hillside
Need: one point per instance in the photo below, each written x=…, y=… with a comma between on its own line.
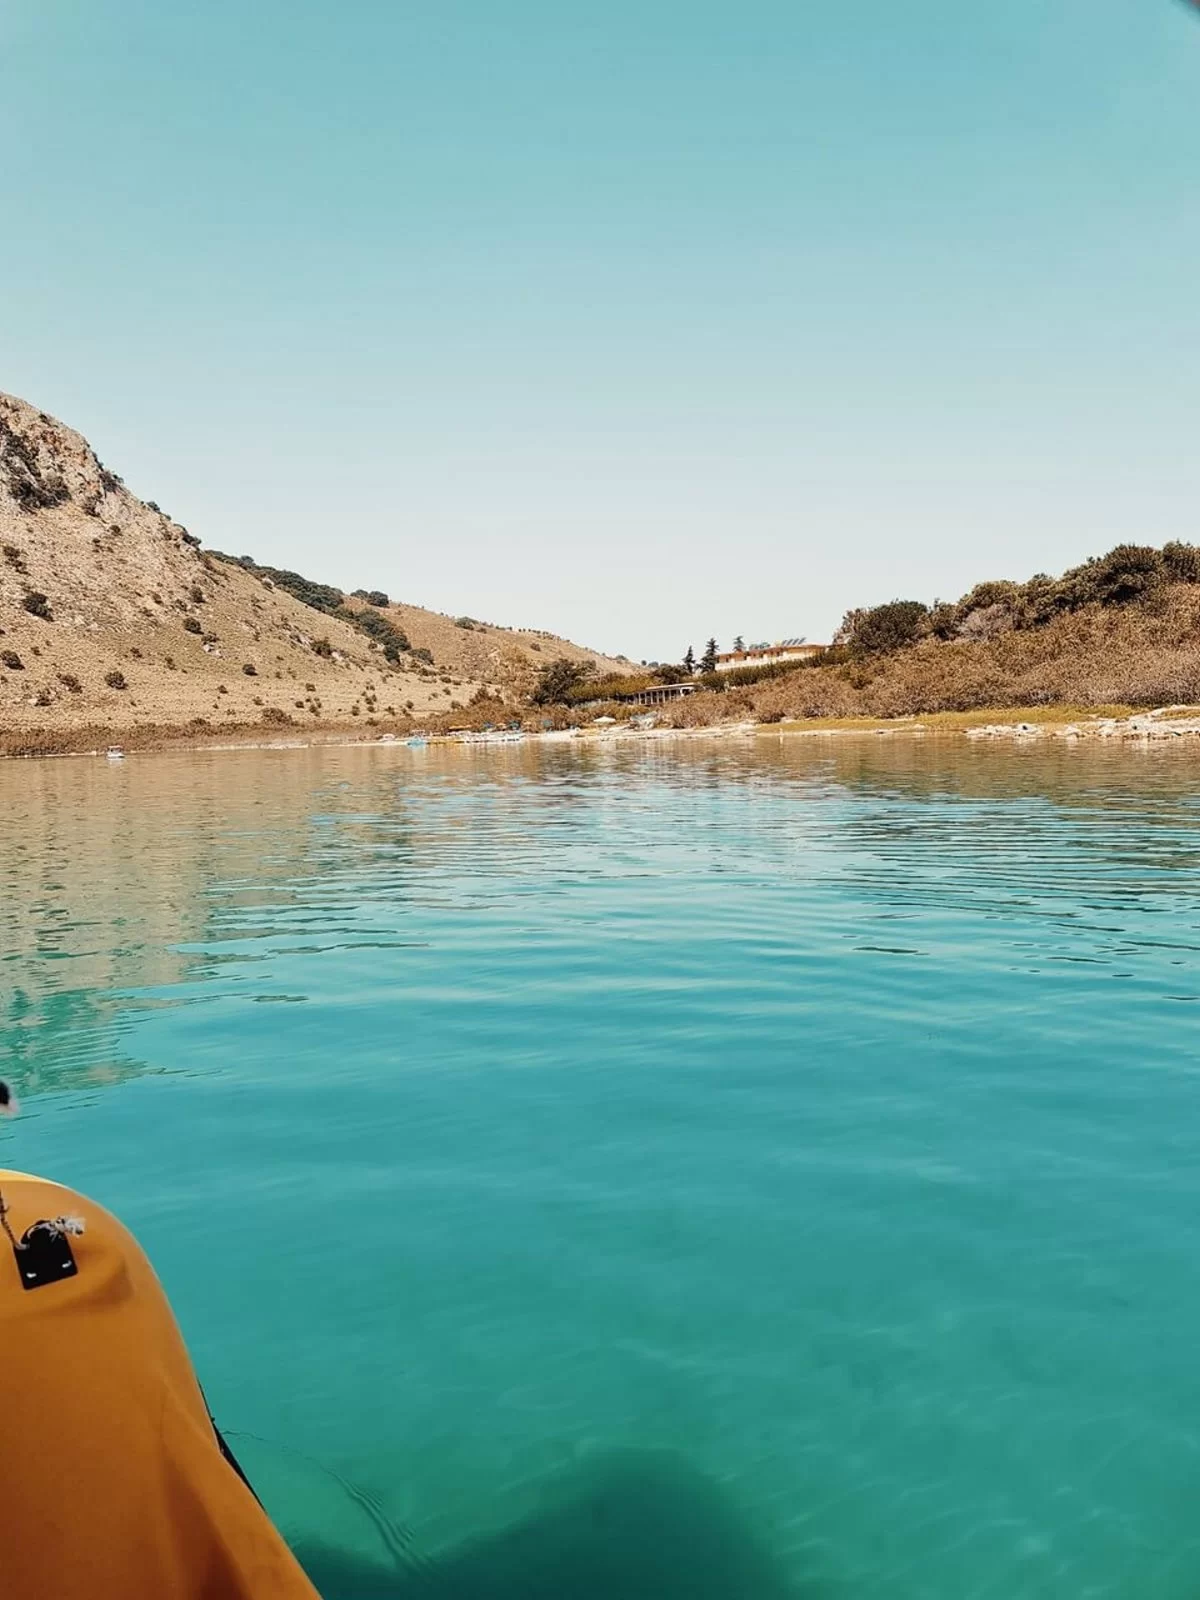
x=113, y=617
x=487, y=652
x=1145, y=653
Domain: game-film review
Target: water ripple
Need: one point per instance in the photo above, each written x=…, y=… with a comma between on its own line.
x=819, y=1113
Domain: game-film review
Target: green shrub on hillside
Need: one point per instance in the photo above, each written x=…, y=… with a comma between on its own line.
x=557, y=681
x=1129, y=574
x=320, y=596
x=671, y=672
x=378, y=627
x=324, y=597
x=1181, y=562
x=612, y=686
x=1126, y=573
x=875, y=630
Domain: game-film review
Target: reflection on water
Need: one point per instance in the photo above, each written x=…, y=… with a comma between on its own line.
x=732, y=1168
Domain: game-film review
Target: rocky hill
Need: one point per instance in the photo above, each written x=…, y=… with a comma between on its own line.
x=113, y=616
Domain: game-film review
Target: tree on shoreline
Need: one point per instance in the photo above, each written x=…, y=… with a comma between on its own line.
x=689, y=661
x=739, y=644
x=708, y=661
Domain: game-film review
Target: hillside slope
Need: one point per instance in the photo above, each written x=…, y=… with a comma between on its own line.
x=112, y=616
x=1123, y=629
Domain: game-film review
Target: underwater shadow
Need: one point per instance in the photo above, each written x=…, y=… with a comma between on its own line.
x=632, y=1526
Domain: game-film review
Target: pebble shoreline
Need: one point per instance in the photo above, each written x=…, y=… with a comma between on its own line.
x=1162, y=723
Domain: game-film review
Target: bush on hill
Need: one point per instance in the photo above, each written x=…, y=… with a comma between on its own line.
x=325, y=598
x=378, y=627
x=874, y=630
x=557, y=681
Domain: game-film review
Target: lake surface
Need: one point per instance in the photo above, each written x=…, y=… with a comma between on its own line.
x=740, y=1168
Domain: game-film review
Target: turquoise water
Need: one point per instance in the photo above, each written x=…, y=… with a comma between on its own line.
x=754, y=1168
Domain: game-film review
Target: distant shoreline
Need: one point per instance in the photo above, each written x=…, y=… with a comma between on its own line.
x=1015, y=724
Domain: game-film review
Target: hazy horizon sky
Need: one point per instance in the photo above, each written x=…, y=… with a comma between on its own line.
x=638, y=322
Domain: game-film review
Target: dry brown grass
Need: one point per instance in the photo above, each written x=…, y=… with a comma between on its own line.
x=1131, y=657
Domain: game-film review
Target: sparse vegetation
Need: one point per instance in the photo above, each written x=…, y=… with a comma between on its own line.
x=192, y=625
x=12, y=660
x=250, y=669
x=38, y=605
x=115, y=679
x=70, y=682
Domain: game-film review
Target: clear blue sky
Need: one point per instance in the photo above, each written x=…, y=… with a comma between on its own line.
x=638, y=320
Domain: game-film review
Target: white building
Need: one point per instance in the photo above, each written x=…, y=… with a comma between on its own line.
x=763, y=655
